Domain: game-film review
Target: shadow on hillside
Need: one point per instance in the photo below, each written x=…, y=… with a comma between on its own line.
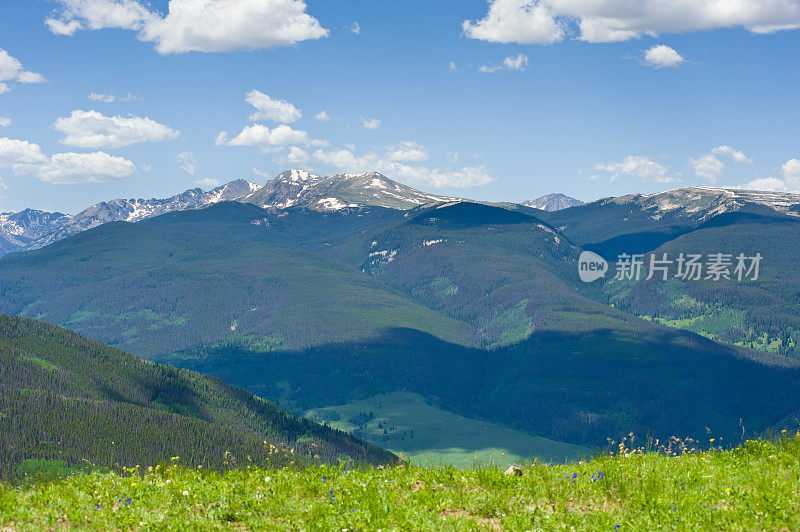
x=579, y=388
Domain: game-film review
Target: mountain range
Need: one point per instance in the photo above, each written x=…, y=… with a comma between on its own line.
x=326, y=293
x=32, y=229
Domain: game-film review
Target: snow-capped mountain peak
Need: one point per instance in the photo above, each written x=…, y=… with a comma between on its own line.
x=298, y=176
x=298, y=188
x=553, y=202
x=41, y=228
x=19, y=229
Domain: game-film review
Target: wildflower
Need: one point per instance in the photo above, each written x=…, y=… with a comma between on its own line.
x=168, y=481
x=185, y=493
x=128, y=501
x=267, y=479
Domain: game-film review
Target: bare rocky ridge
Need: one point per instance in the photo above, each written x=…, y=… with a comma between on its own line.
x=702, y=203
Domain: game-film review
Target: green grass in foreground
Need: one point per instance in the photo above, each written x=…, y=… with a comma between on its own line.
x=406, y=424
x=754, y=487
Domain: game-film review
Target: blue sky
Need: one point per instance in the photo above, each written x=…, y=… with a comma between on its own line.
x=508, y=108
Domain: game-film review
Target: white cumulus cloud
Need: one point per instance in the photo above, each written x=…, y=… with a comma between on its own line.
x=207, y=182
x=662, y=56
x=111, y=98
x=187, y=162
x=736, y=155
x=518, y=21
x=770, y=184
x=91, y=129
x=707, y=167
x=298, y=156
x=637, y=166
x=371, y=123
x=348, y=162
x=279, y=136
x=195, y=25
x=19, y=152
x=790, y=182
x=270, y=109
x=322, y=116
x=517, y=63
x=105, y=98
x=549, y=21
x=25, y=157
x=406, y=151
x=70, y=168
x=11, y=71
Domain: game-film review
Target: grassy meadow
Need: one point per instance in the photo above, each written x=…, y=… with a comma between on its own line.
x=418, y=432
x=753, y=487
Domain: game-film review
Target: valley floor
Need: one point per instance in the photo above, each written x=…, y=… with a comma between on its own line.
x=753, y=487
x=420, y=433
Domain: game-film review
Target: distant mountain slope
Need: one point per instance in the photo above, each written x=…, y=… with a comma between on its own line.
x=553, y=202
x=702, y=203
x=639, y=223
x=763, y=314
x=505, y=272
x=297, y=188
x=19, y=229
x=133, y=210
x=30, y=229
x=222, y=274
x=65, y=397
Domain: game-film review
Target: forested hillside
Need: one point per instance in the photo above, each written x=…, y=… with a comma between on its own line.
x=66, y=397
x=762, y=314
x=151, y=289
